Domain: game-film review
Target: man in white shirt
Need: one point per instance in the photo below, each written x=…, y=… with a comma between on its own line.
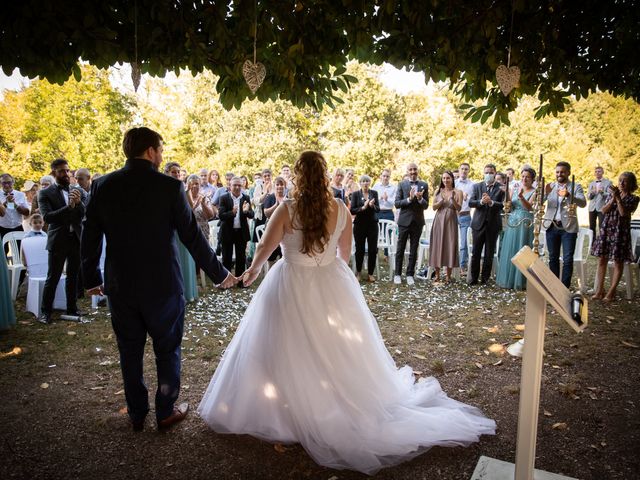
x=596, y=193
x=386, y=195
x=464, y=184
x=13, y=205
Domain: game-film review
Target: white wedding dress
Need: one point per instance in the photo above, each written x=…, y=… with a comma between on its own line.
x=308, y=365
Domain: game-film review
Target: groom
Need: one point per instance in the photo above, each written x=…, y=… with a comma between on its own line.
x=139, y=211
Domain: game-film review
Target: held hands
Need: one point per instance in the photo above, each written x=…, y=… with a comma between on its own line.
x=249, y=276
x=228, y=282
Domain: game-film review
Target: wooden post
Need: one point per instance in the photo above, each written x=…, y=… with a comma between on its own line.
x=530, y=383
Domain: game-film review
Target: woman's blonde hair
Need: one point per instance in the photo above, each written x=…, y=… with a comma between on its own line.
x=313, y=199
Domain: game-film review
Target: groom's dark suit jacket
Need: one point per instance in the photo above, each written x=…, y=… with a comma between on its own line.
x=139, y=211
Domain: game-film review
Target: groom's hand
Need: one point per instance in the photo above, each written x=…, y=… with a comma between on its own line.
x=228, y=282
x=95, y=291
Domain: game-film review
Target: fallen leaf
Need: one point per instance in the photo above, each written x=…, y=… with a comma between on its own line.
x=629, y=344
x=547, y=413
x=592, y=396
x=96, y=388
x=499, y=362
x=603, y=443
x=417, y=372
x=44, y=385
x=460, y=325
x=278, y=447
x=421, y=357
x=398, y=351
x=555, y=366
x=559, y=426
x=496, y=349
x=478, y=364
x=593, y=389
x=65, y=383
x=119, y=392
x=520, y=327
x=610, y=317
x=105, y=363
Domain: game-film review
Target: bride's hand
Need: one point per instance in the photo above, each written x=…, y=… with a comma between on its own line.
x=249, y=276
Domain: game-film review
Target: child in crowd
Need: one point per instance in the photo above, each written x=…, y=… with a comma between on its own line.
x=36, y=222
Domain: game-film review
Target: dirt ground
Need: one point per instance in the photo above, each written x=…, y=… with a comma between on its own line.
x=62, y=398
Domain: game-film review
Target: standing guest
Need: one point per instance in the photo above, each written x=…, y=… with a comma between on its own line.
x=139, y=210
x=262, y=189
x=206, y=188
x=30, y=190
x=36, y=223
x=222, y=190
x=511, y=178
x=501, y=179
x=365, y=206
x=183, y=177
x=187, y=263
x=45, y=182
x=337, y=188
x=443, y=245
x=200, y=204
x=465, y=185
x=235, y=210
x=63, y=208
x=596, y=193
x=245, y=184
x=271, y=203
x=614, y=240
x=214, y=179
x=350, y=184
x=285, y=172
x=519, y=231
x=13, y=205
x=83, y=177
x=486, y=225
x=563, y=228
x=7, y=313
x=386, y=195
x=411, y=200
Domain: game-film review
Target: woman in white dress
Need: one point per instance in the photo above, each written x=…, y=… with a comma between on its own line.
x=320, y=374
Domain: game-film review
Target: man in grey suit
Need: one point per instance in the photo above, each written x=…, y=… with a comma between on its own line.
x=562, y=229
x=411, y=201
x=596, y=192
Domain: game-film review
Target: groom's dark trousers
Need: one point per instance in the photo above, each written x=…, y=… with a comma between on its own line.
x=138, y=212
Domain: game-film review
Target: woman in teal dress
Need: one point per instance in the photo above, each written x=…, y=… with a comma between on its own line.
x=518, y=233
x=187, y=265
x=7, y=313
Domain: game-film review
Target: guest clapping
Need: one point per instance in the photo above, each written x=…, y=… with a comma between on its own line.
x=519, y=231
x=443, y=245
x=365, y=206
x=200, y=204
x=271, y=203
x=337, y=187
x=235, y=209
x=614, y=239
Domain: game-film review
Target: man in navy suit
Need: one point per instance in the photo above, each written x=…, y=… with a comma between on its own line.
x=412, y=199
x=138, y=210
x=487, y=198
x=235, y=210
x=62, y=208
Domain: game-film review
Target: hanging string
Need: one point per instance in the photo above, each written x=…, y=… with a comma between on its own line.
x=513, y=9
x=135, y=29
x=255, y=29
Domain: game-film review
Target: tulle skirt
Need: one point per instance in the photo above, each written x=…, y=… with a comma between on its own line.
x=308, y=365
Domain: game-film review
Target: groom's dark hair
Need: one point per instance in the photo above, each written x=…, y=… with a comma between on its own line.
x=138, y=140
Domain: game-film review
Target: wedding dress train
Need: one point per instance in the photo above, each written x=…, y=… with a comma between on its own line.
x=308, y=365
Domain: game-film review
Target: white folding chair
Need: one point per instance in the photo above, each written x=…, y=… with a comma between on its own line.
x=424, y=245
x=14, y=261
x=259, y=233
x=37, y=259
x=579, y=259
x=386, y=230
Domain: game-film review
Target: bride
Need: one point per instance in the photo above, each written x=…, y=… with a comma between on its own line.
x=308, y=365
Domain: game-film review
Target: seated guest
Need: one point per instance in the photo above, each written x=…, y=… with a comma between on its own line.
x=365, y=206
x=518, y=232
x=443, y=244
x=36, y=223
x=235, y=210
x=614, y=238
x=200, y=204
x=187, y=263
x=271, y=203
x=337, y=188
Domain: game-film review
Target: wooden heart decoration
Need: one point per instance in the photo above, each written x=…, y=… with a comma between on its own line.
x=254, y=74
x=135, y=75
x=508, y=78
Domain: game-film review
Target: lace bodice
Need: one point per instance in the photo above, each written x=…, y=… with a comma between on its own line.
x=292, y=242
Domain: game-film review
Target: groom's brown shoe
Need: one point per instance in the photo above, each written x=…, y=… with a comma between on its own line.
x=179, y=413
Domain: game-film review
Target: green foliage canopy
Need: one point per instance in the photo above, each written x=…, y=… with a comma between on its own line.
x=563, y=48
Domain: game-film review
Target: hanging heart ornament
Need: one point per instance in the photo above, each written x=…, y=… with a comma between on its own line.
x=507, y=78
x=135, y=75
x=254, y=74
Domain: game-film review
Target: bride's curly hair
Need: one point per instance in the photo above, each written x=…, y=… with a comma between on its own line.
x=313, y=199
